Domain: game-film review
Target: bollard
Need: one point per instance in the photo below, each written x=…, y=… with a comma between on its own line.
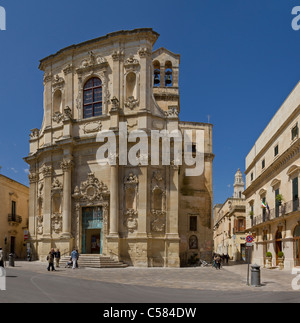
x=11, y=260
x=255, y=275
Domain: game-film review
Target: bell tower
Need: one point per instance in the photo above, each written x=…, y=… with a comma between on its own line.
x=239, y=185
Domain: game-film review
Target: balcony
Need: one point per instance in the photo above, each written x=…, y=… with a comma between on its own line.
x=278, y=212
x=14, y=219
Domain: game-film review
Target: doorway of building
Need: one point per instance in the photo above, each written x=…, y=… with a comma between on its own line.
x=92, y=230
x=93, y=241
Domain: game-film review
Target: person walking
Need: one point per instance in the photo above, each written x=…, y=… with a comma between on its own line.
x=218, y=261
x=1, y=258
x=77, y=258
x=57, y=257
x=50, y=259
x=74, y=256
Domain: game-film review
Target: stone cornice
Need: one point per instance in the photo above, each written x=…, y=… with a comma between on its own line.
x=292, y=152
x=142, y=32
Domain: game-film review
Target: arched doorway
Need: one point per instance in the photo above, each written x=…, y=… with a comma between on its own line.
x=278, y=243
x=297, y=245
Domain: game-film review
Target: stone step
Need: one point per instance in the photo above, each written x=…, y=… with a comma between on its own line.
x=95, y=261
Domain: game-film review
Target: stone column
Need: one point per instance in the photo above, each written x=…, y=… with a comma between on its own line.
x=141, y=257
x=66, y=166
x=145, y=77
x=114, y=201
x=47, y=172
x=113, y=237
x=33, y=178
x=172, y=235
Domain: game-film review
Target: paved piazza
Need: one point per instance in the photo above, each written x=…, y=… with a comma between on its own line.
x=140, y=285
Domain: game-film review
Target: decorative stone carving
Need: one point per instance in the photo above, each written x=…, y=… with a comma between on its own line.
x=68, y=113
x=131, y=63
x=144, y=52
x=47, y=78
x=91, y=63
x=34, y=133
x=158, y=223
x=66, y=165
x=172, y=112
x=56, y=223
x=158, y=202
x=118, y=55
x=130, y=222
x=46, y=170
x=68, y=69
x=115, y=104
x=58, y=117
x=33, y=177
x=58, y=83
x=131, y=103
x=91, y=127
x=39, y=224
x=91, y=190
x=131, y=180
x=57, y=185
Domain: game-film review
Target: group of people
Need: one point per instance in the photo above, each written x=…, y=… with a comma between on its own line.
x=55, y=256
x=218, y=260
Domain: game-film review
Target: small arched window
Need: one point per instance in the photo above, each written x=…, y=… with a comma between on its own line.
x=168, y=74
x=156, y=67
x=92, y=98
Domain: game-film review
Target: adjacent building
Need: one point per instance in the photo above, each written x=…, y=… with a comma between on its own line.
x=13, y=217
x=148, y=214
x=230, y=223
x=272, y=187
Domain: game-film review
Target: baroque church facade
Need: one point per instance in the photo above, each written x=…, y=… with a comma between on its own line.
x=144, y=215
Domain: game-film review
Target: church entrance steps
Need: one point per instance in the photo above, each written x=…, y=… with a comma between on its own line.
x=95, y=261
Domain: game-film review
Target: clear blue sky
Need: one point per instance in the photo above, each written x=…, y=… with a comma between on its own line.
x=239, y=61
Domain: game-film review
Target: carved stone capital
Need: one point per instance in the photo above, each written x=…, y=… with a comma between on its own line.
x=47, y=170
x=144, y=52
x=66, y=165
x=117, y=55
x=33, y=177
x=34, y=133
x=68, y=69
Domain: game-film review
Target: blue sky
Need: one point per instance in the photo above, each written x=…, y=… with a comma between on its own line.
x=239, y=61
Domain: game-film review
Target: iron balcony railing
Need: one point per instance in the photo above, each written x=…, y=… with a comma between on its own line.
x=277, y=212
x=14, y=218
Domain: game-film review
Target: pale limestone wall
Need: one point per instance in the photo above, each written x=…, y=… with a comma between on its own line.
x=226, y=238
x=11, y=190
x=278, y=173
x=66, y=177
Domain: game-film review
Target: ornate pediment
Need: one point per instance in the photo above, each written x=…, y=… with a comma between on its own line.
x=92, y=63
x=91, y=191
x=131, y=63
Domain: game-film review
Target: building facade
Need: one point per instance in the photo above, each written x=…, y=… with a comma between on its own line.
x=145, y=214
x=230, y=223
x=14, y=201
x=272, y=186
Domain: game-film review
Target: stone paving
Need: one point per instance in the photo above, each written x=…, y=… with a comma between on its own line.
x=232, y=277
